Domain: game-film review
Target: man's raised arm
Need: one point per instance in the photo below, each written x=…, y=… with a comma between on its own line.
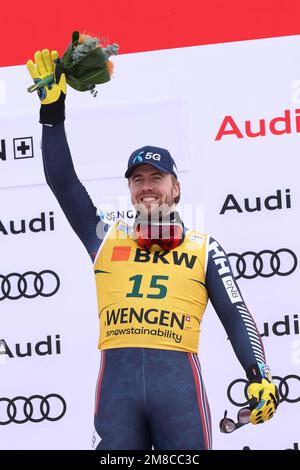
x=58, y=166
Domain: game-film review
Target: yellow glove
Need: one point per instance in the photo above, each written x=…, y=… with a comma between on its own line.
x=264, y=400
x=45, y=64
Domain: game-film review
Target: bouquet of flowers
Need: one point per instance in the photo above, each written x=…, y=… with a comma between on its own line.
x=85, y=64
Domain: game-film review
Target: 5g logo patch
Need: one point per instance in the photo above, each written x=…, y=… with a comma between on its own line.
x=153, y=156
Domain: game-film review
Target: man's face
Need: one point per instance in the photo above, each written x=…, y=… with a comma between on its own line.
x=151, y=190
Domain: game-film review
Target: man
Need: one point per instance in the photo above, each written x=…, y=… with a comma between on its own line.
x=153, y=283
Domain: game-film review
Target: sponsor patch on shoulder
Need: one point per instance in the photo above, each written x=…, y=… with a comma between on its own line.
x=124, y=228
x=197, y=238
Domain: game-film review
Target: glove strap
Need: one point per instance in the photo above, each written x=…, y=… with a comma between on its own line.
x=53, y=113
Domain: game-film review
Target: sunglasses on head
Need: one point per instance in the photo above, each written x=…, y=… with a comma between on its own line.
x=227, y=425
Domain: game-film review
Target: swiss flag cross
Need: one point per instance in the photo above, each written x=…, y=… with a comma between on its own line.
x=188, y=318
x=120, y=253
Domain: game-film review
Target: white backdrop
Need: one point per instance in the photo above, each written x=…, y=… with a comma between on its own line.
x=176, y=99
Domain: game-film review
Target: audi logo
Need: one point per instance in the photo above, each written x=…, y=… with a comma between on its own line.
x=36, y=408
x=29, y=285
x=237, y=390
x=265, y=263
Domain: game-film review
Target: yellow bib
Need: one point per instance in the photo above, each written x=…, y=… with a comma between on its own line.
x=153, y=298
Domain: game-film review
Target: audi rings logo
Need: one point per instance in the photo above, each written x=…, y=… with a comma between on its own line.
x=29, y=285
x=35, y=409
x=288, y=389
x=266, y=263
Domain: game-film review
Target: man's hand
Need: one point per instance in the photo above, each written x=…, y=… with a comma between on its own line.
x=264, y=400
x=53, y=96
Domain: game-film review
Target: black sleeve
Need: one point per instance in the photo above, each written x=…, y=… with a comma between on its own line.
x=68, y=190
x=230, y=307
